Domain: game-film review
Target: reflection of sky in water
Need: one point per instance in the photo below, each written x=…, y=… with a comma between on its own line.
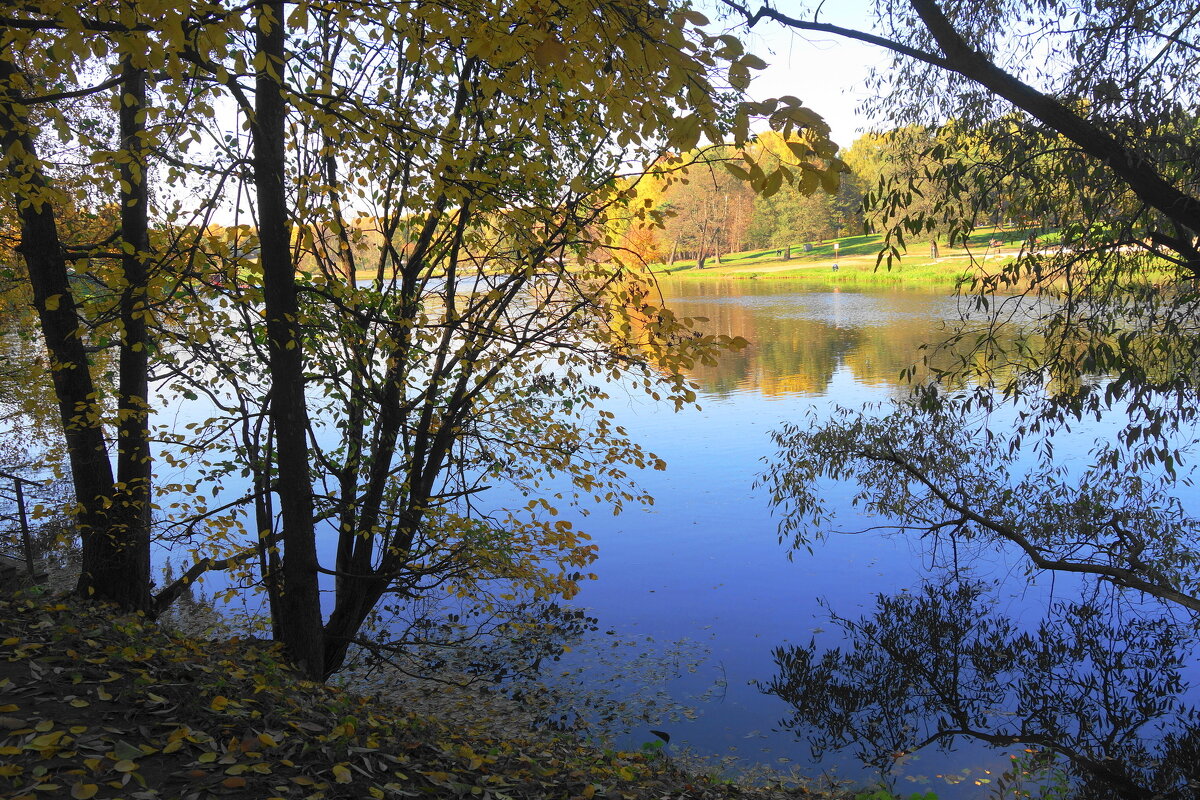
x=705, y=562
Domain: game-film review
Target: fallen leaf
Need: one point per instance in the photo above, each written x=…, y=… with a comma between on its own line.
x=124, y=751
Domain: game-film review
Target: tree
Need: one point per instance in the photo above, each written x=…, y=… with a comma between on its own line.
x=1114, y=104
x=896, y=169
x=40, y=57
x=469, y=161
x=1102, y=149
x=696, y=209
x=1101, y=141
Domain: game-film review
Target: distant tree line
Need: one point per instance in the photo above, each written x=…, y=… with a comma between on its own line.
x=710, y=211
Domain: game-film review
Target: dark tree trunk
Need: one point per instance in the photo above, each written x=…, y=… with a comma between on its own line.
x=130, y=513
x=299, y=612
x=111, y=568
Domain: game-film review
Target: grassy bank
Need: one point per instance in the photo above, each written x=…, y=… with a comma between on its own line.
x=855, y=258
x=94, y=704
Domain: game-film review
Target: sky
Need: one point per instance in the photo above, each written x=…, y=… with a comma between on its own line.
x=826, y=72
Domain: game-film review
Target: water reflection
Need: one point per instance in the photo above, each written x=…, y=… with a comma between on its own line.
x=799, y=340
x=1091, y=696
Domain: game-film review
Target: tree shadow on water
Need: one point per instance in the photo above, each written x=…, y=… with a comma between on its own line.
x=1096, y=690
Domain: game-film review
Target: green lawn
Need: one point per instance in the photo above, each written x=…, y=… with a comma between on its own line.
x=856, y=260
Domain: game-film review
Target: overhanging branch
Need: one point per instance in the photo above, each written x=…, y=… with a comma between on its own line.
x=1137, y=171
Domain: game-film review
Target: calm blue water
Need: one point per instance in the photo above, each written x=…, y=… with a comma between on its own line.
x=696, y=590
x=704, y=563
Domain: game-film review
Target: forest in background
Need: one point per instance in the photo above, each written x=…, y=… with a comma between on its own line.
x=710, y=210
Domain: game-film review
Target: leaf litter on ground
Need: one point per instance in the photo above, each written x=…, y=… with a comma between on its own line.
x=96, y=704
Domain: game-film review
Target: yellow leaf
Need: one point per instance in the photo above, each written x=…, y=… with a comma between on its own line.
x=736, y=171
x=219, y=703
x=753, y=62
x=48, y=740
x=549, y=52
x=82, y=791
x=125, y=765
x=341, y=774
x=772, y=184
x=52, y=302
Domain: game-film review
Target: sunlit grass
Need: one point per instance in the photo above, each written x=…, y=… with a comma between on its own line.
x=857, y=262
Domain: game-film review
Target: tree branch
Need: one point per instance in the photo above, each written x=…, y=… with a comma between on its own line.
x=766, y=12
x=1139, y=173
x=1114, y=574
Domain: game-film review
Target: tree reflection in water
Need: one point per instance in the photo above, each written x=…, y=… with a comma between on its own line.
x=1097, y=688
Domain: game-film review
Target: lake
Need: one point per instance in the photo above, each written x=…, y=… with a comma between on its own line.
x=695, y=594
x=704, y=564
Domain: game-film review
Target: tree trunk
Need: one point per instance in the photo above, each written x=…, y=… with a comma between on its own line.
x=109, y=565
x=130, y=513
x=299, y=618
x=702, y=249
